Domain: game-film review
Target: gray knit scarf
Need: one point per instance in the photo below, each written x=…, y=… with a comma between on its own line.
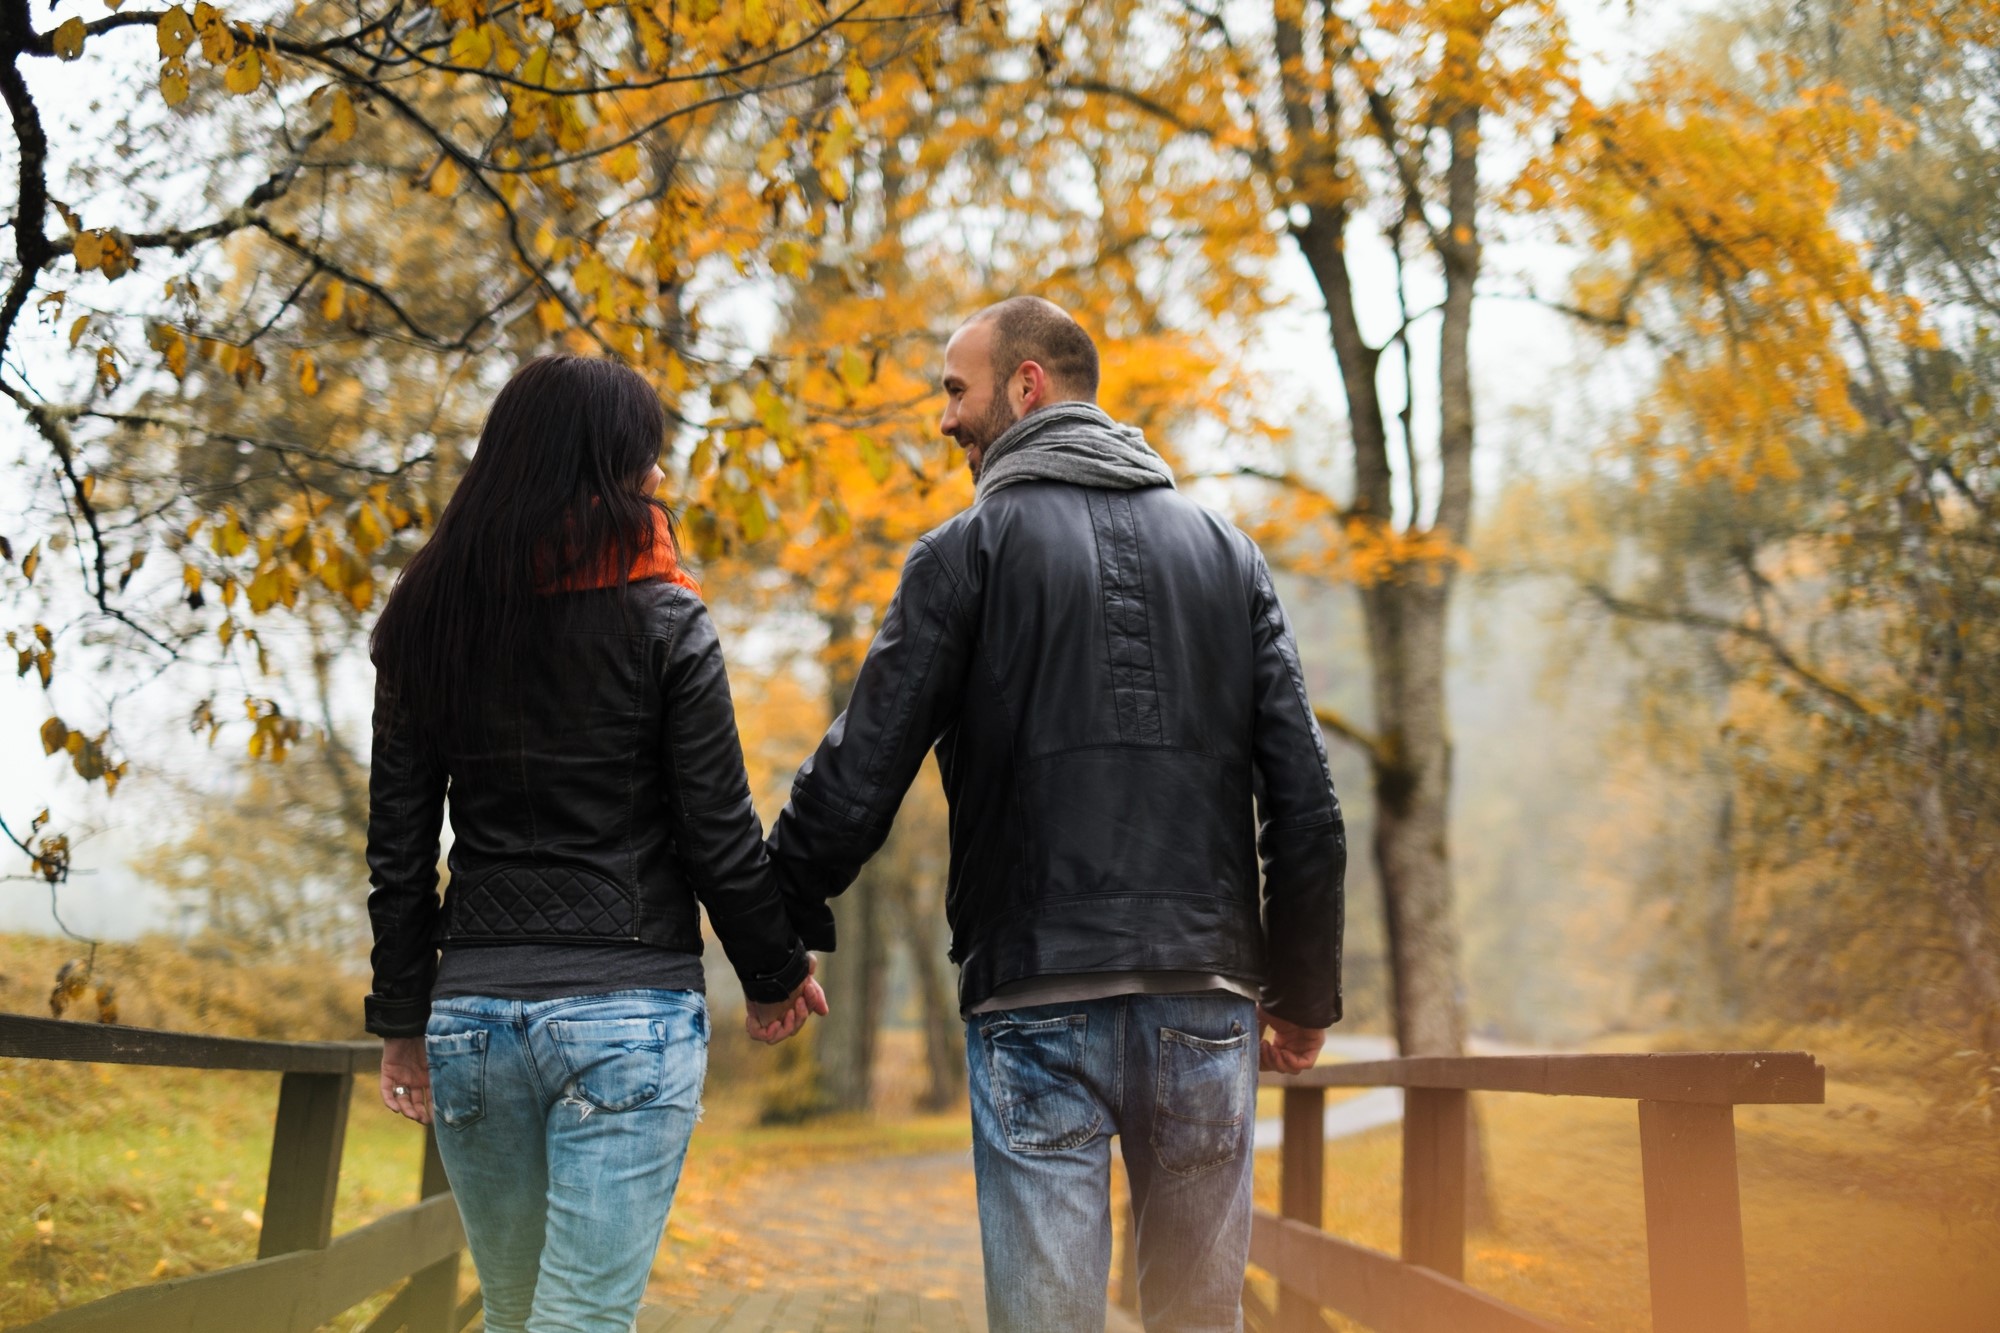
x=1073, y=442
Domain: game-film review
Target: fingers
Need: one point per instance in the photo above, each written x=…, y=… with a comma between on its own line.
x=412, y=1102
x=815, y=998
x=1277, y=1057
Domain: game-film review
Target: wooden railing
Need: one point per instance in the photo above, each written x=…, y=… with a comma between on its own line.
x=1687, y=1145
x=303, y=1275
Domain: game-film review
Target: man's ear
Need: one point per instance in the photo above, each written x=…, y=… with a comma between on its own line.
x=1030, y=387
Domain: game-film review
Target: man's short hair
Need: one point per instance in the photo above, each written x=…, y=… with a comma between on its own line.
x=1028, y=328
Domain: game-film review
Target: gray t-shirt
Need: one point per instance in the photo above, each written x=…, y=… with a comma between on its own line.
x=1075, y=988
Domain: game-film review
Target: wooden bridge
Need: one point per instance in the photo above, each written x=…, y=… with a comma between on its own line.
x=304, y=1275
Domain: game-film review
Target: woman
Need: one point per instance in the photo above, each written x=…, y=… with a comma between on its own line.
x=545, y=659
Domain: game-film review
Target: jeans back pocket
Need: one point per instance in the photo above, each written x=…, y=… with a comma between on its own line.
x=458, y=1074
x=615, y=1064
x=1202, y=1101
x=1036, y=1071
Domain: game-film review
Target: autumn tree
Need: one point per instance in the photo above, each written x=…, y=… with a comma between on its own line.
x=1791, y=217
x=325, y=206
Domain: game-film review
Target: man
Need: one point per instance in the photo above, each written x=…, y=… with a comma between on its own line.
x=1107, y=677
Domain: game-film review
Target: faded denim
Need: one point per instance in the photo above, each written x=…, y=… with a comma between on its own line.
x=563, y=1125
x=1175, y=1077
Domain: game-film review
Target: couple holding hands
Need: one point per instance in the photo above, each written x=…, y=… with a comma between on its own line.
x=1145, y=892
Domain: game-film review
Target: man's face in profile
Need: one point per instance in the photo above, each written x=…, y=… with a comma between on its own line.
x=976, y=410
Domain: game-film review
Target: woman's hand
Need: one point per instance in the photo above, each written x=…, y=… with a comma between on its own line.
x=772, y=1023
x=406, y=1078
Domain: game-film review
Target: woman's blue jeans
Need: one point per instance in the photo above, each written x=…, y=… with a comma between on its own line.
x=1175, y=1078
x=563, y=1125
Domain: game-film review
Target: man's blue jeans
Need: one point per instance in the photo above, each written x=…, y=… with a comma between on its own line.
x=563, y=1125
x=1175, y=1077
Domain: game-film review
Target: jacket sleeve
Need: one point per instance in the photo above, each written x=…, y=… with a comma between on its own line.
x=906, y=694
x=406, y=791
x=1300, y=834
x=718, y=838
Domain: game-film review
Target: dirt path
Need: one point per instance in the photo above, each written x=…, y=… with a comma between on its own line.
x=883, y=1244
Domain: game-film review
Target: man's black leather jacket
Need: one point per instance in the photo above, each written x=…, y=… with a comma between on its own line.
x=1108, y=678
x=596, y=803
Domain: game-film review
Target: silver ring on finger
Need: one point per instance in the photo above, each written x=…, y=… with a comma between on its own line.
x=402, y=1091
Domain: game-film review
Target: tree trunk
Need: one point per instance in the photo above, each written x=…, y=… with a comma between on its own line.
x=853, y=974
x=944, y=1040
x=1406, y=632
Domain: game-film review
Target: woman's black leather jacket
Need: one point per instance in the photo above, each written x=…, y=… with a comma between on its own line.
x=596, y=798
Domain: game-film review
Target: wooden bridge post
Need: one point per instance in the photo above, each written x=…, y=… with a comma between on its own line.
x=305, y=1162
x=1302, y=1192
x=1694, y=1220
x=1435, y=1127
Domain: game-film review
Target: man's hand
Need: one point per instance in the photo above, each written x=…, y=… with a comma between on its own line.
x=1289, y=1049
x=772, y=1023
x=406, y=1078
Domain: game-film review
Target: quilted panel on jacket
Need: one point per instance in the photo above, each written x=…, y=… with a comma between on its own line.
x=518, y=901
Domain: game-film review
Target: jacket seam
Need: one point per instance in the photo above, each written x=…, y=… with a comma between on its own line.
x=1275, y=620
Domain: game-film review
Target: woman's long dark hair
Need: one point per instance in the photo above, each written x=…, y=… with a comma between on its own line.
x=550, y=498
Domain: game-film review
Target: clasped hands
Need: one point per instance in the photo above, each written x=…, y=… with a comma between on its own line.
x=772, y=1023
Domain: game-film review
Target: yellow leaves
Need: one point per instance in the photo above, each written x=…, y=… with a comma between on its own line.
x=831, y=151
x=68, y=39
x=77, y=329
x=228, y=538
x=789, y=258
x=1727, y=202
x=340, y=118
x=858, y=85
x=241, y=362
x=854, y=370
x=104, y=249
x=109, y=376
x=175, y=33
x=623, y=164
x=873, y=456
x=172, y=346
x=333, y=300
x=751, y=21
x=306, y=368
x=31, y=562
x=37, y=654
x=273, y=734
x=773, y=154
x=244, y=73
x=549, y=313
x=444, y=178
x=472, y=48
x=88, y=755
x=174, y=82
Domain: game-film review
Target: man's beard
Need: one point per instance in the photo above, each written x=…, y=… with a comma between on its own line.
x=976, y=437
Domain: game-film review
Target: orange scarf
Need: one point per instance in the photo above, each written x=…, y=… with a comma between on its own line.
x=662, y=562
